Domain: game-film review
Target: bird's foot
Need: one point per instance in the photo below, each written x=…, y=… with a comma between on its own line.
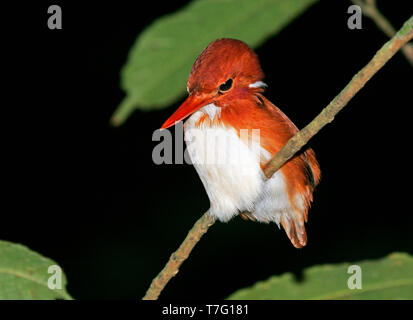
x=247, y=216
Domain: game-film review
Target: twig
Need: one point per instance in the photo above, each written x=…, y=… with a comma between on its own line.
x=291, y=147
x=172, y=267
x=369, y=9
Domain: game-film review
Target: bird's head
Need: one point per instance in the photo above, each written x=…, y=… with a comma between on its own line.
x=226, y=69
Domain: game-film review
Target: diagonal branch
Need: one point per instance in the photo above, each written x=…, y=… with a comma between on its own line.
x=291, y=147
x=369, y=9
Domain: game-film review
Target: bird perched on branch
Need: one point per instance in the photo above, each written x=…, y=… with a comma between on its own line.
x=233, y=131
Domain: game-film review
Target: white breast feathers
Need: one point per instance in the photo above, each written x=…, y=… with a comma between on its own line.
x=229, y=167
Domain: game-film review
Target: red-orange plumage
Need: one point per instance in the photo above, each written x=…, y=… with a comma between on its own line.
x=244, y=107
x=251, y=111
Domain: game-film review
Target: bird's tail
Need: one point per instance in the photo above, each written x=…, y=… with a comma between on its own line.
x=295, y=229
x=304, y=174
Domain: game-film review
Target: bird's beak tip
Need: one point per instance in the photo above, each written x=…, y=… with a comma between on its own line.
x=190, y=105
x=166, y=125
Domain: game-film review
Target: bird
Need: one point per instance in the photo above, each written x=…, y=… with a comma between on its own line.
x=229, y=118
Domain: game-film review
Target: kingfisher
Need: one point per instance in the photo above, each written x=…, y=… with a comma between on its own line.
x=232, y=131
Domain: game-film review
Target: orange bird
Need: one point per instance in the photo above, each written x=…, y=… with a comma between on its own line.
x=230, y=119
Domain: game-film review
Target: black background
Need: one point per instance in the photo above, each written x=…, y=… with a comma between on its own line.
x=89, y=196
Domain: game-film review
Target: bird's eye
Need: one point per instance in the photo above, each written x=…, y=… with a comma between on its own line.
x=226, y=85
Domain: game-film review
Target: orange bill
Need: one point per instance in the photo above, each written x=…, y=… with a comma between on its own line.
x=190, y=105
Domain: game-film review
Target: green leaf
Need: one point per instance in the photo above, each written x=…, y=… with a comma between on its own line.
x=160, y=60
x=24, y=274
x=388, y=278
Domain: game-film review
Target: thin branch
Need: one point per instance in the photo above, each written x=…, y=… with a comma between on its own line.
x=172, y=267
x=369, y=9
x=288, y=151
